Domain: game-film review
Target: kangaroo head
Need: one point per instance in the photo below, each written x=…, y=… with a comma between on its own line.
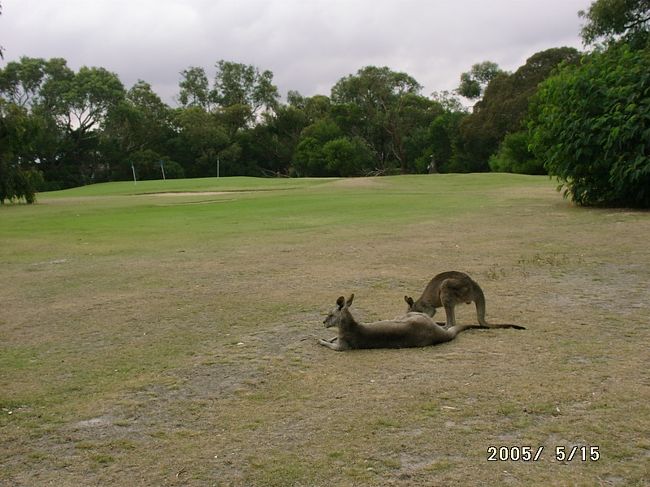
x=336, y=316
x=418, y=306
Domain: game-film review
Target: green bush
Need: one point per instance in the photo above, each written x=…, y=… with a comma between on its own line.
x=590, y=124
x=17, y=183
x=347, y=157
x=514, y=156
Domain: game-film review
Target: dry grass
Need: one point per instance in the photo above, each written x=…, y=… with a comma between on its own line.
x=176, y=351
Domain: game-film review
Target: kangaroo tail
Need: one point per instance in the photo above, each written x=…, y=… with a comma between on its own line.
x=505, y=325
x=455, y=330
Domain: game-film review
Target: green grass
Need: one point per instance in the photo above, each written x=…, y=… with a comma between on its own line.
x=162, y=339
x=183, y=185
x=145, y=224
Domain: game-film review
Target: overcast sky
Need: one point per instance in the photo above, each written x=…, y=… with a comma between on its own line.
x=308, y=44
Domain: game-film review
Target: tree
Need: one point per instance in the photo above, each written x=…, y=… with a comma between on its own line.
x=314, y=107
x=238, y=101
x=309, y=157
x=239, y=84
x=149, y=164
x=70, y=109
x=215, y=122
x=195, y=89
x=269, y=147
x=375, y=105
x=18, y=180
x=140, y=122
x=36, y=86
x=347, y=156
x=156, y=113
x=29, y=82
x=324, y=150
x=448, y=101
x=271, y=144
x=503, y=108
x=514, y=156
x=87, y=98
x=204, y=137
x=17, y=183
x=79, y=104
x=473, y=82
x=416, y=146
x=1, y=48
x=590, y=124
x=612, y=19
x=442, y=136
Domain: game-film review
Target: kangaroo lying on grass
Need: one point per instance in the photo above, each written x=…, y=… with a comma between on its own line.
x=411, y=330
x=449, y=289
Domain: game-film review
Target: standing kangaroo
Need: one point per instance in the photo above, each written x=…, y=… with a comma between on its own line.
x=449, y=289
x=411, y=330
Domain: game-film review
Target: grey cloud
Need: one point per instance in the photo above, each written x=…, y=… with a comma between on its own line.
x=308, y=44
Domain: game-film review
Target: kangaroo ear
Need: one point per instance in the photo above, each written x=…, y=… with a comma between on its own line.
x=409, y=300
x=340, y=302
x=349, y=301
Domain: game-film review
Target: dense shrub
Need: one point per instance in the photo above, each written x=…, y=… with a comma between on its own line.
x=514, y=156
x=17, y=183
x=590, y=124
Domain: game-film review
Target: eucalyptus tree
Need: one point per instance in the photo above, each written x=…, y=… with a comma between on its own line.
x=503, y=108
x=474, y=81
x=236, y=102
x=18, y=131
x=310, y=158
x=195, y=88
x=271, y=144
x=237, y=84
x=79, y=105
x=141, y=123
x=69, y=109
x=204, y=139
x=614, y=19
x=375, y=104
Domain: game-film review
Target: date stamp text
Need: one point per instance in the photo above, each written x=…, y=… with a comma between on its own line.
x=582, y=453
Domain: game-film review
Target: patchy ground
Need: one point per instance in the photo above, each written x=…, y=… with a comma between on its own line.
x=197, y=363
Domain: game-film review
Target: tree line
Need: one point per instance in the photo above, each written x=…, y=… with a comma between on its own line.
x=76, y=128
x=60, y=128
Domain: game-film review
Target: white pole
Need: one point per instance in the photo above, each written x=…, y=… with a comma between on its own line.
x=162, y=168
x=135, y=181
x=217, y=167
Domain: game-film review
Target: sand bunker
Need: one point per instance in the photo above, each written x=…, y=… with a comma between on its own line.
x=192, y=193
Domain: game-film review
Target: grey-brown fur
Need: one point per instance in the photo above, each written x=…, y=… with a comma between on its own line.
x=411, y=330
x=447, y=290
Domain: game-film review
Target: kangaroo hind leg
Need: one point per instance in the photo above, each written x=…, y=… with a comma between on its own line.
x=334, y=345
